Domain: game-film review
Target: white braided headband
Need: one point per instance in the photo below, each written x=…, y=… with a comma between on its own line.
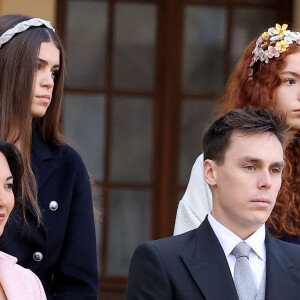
x=23, y=26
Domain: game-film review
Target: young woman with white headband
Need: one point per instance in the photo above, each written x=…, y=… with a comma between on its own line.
x=268, y=76
x=55, y=235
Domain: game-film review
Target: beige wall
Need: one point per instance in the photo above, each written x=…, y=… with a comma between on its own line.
x=296, y=15
x=34, y=8
x=47, y=9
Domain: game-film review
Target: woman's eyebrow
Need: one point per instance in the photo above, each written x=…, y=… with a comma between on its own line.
x=291, y=73
x=10, y=177
x=45, y=63
x=42, y=61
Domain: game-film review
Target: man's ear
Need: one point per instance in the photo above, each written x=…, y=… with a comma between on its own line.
x=209, y=172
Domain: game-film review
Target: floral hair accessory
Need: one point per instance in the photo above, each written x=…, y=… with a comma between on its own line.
x=272, y=43
x=23, y=26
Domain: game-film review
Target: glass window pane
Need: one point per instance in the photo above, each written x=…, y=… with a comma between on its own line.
x=204, y=46
x=131, y=157
x=242, y=33
x=195, y=117
x=86, y=43
x=129, y=226
x=84, y=117
x=134, y=46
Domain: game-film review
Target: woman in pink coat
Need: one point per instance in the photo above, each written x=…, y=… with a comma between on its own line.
x=16, y=282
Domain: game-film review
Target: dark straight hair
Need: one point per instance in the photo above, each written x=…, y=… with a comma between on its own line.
x=18, y=59
x=15, y=163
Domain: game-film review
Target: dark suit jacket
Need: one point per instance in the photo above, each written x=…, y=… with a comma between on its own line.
x=67, y=238
x=193, y=266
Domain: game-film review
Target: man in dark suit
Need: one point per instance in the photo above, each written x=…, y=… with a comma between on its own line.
x=243, y=163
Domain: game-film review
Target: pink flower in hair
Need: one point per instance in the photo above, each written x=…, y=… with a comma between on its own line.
x=273, y=52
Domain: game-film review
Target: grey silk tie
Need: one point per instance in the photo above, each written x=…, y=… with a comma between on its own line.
x=243, y=278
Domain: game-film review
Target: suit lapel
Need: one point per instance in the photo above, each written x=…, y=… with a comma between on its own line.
x=208, y=265
x=277, y=266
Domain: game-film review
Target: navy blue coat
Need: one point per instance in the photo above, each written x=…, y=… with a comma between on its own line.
x=193, y=266
x=66, y=241
x=290, y=239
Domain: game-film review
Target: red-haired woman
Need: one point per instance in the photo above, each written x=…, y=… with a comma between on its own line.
x=268, y=76
x=55, y=235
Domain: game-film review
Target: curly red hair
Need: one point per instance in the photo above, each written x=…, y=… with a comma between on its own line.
x=260, y=90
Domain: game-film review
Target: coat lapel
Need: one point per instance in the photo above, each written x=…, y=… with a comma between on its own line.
x=43, y=160
x=209, y=267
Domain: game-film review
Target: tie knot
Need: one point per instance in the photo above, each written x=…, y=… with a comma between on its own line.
x=241, y=249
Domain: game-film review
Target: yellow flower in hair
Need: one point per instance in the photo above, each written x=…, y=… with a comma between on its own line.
x=265, y=36
x=282, y=46
x=280, y=29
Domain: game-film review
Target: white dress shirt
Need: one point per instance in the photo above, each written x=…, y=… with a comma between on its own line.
x=228, y=240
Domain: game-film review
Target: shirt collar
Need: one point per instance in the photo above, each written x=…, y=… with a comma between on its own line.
x=257, y=242
x=229, y=240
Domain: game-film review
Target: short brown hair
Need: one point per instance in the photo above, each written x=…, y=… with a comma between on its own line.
x=251, y=120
